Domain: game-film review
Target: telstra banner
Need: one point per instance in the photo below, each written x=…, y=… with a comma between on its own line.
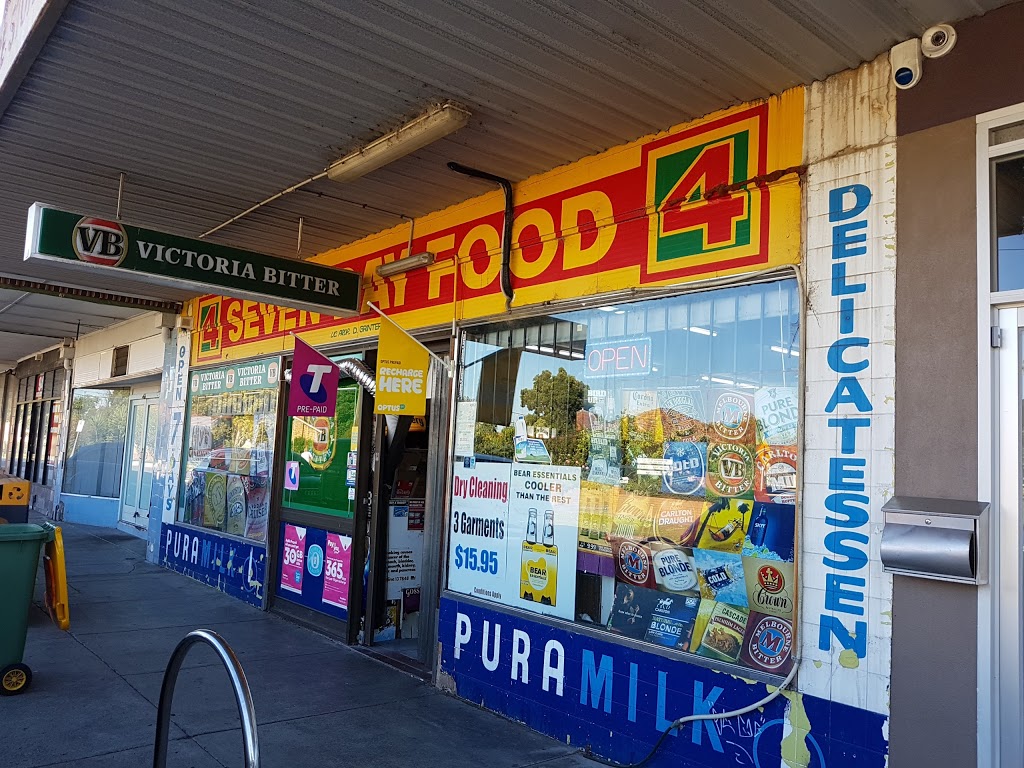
x=95, y=243
x=314, y=389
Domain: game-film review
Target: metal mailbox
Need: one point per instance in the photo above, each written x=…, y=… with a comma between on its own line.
x=936, y=539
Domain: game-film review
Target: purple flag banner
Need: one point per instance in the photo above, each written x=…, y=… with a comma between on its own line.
x=314, y=389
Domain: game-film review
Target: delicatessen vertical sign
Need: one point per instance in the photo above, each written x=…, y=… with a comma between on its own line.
x=513, y=536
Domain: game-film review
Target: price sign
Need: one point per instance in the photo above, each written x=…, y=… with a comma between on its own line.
x=478, y=558
x=293, y=557
x=337, y=565
x=483, y=560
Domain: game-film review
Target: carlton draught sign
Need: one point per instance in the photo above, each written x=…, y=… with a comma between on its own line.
x=90, y=242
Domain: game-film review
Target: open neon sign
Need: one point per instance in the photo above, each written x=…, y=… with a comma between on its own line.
x=618, y=357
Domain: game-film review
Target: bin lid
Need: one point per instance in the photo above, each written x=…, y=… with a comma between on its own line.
x=22, y=532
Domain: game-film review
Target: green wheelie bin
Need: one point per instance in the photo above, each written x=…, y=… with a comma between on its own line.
x=19, y=558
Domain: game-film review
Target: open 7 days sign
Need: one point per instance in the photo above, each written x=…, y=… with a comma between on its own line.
x=92, y=243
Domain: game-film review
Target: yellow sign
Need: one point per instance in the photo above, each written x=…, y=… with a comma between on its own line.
x=715, y=197
x=402, y=366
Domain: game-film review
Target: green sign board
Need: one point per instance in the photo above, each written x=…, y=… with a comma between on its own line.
x=257, y=374
x=107, y=246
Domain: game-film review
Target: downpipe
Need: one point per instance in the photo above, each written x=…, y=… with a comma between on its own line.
x=506, y=239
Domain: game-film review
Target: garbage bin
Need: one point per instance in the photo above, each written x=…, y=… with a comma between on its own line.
x=19, y=558
x=15, y=499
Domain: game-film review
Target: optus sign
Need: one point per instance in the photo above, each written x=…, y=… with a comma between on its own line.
x=688, y=204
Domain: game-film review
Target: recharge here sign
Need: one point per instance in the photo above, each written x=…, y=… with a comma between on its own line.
x=402, y=367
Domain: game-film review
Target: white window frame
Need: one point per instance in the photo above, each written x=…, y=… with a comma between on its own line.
x=990, y=711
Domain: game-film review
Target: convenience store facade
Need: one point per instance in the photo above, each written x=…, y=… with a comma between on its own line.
x=650, y=485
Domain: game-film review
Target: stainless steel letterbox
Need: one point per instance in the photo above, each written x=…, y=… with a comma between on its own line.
x=936, y=539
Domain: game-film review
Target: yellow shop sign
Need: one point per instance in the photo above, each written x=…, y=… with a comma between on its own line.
x=402, y=366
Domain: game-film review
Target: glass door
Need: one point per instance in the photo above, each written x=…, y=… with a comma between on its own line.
x=321, y=509
x=1006, y=533
x=139, y=464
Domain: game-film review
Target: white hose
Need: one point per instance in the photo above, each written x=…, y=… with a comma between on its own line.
x=745, y=710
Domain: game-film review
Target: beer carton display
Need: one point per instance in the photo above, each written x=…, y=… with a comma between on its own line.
x=723, y=628
x=721, y=576
x=677, y=519
x=685, y=468
x=770, y=586
x=723, y=524
x=775, y=474
x=682, y=414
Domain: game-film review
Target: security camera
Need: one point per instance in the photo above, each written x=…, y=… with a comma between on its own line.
x=905, y=60
x=938, y=41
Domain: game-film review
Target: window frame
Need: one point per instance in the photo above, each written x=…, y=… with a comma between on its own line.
x=598, y=631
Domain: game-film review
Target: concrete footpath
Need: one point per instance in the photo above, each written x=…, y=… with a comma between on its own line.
x=93, y=699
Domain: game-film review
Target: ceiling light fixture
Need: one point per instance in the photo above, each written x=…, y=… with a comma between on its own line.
x=398, y=266
x=785, y=351
x=416, y=134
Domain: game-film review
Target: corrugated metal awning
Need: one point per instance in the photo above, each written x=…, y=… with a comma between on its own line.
x=210, y=107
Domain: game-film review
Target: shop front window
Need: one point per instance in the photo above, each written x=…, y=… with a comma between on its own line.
x=232, y=419
x=632, y=467
x=320, y=469
x=37, y=427
x=95, y=452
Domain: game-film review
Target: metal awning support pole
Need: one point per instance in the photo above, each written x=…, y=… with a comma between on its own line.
x=387, y=319
x=120, y=194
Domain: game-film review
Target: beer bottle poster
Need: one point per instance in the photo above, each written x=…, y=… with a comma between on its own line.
x=479, y=547
x=770, y=532
x=544, y=511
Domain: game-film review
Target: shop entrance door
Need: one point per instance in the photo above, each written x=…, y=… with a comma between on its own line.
x=323, y=475
x=1006, y=534
x=403, y=531
x=139, y=463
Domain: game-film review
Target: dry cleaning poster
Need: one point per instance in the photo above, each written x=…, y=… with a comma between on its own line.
x=478, y=552
x=543, y=515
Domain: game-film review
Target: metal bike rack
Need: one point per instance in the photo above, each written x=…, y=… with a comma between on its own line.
x=246, y=710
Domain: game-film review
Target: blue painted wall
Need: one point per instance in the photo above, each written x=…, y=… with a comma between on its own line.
x=617, y=699
x=91, y=510
x=235, y=567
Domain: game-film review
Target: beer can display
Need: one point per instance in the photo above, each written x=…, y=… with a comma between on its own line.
x=775, y=474
x=731, y=416
x=678, y=520
x=730, y=470
x=214, y=505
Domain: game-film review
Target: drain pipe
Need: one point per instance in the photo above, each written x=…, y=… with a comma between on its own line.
x=354, y=369
x=358, y=370
x=506, y=240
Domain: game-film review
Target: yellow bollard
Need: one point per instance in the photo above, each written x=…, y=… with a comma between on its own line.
x=56, y=579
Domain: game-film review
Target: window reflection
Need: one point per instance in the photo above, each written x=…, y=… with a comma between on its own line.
x=667, y=431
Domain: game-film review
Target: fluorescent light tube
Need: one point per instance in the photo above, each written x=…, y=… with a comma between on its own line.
x=399, y=266
x=416, y=134
x=784, y=351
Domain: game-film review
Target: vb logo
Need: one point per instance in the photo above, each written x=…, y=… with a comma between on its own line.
x=99, y=241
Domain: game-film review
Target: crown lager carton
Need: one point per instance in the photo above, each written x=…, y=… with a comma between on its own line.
x=538, y=579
